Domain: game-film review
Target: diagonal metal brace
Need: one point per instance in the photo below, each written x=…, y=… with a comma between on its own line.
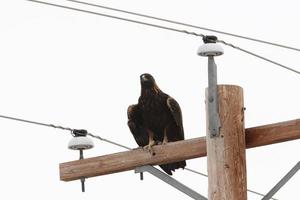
x=171, y=181
x=282, y=182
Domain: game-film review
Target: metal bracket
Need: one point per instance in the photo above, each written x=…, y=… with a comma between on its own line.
x=214, y=123
x=171, y=181
x=282, y=182
x=210, y=49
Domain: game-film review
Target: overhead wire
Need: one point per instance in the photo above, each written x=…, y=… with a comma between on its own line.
x=167, y=28
x=205, y=175
x=118, y=18
x=196, y=172
x=102, y=139
x=109, y=141
x=62, y=128
x=185, y=24
x=36, y=123
x=258, y=56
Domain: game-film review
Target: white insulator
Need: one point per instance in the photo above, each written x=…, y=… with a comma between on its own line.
x=210, y=49
x=83, y=143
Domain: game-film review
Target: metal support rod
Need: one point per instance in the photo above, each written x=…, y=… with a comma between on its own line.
x=213, y=105
x=141, y=176
x=282, y=182
x=82, y=180
x=171, y=181
x=80, y=154
x=82, y=184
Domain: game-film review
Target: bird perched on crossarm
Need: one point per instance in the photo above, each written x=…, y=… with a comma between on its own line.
x=156, y=119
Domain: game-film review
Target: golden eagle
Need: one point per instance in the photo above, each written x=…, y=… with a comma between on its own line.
x=156, y=119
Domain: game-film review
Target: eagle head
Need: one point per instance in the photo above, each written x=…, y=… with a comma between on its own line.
x=148, y=82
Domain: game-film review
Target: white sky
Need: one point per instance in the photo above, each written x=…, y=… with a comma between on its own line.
x=82, y=71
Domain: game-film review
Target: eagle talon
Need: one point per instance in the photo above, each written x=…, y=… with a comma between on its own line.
x=165, y=140
x=149, y=147
x=151, y=151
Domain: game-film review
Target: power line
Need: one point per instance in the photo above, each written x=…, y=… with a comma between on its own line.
x=102, y=139
x=259, y=56
x=109, y=141
x=119, y=18
x=186, y=24
x=167, y=28
x=36, y=123
x=196, y=172
x=260, y=194
x=202, y=174
x=62, y=128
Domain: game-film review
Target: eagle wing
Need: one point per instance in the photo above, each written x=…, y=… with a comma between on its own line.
x=136, y=125
x=177, y=116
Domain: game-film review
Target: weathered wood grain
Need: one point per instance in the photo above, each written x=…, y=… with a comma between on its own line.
x=273, y=133
x=128, y=160
x=226, y=153
x=176, y=151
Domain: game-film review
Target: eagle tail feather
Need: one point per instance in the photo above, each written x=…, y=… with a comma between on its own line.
x=168, y=168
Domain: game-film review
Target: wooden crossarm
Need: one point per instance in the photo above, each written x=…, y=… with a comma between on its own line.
x=172, y=152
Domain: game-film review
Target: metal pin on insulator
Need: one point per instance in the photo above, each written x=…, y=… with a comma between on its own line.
x=80, y=142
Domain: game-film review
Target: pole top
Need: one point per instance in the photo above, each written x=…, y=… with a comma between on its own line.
x=210, y=47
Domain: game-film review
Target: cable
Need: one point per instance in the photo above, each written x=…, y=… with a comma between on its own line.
x=119, y=18
x=62, y=128
x=202, y=174
x=166, y=28
x=109, y=141
x=260, y=194
x=186, y=24
x=258, y=56
x=36, y=123
x=195, y=172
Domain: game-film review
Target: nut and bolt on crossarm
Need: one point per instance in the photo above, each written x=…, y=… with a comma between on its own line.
x=211, y=49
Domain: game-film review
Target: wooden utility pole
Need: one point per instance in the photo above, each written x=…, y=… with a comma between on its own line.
x=226, y=160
